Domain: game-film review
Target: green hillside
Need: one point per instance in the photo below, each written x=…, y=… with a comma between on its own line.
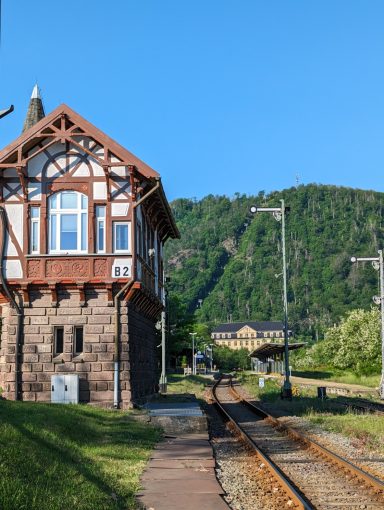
x=228, y=258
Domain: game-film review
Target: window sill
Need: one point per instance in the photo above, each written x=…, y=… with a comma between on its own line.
x=58, y=359
x=78, y=358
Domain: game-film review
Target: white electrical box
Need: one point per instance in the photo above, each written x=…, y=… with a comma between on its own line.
x=65, y=389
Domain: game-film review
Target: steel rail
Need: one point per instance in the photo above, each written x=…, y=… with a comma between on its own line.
x=275, y=471
x=363, y=405
x=371, y=480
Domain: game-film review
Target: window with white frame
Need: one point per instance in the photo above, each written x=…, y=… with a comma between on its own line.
x=121, y=236
x=100, y=228
x=68, y=222
x=34, y=230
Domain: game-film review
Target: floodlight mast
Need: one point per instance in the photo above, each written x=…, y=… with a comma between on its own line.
x=279, y=215
x=378, y=264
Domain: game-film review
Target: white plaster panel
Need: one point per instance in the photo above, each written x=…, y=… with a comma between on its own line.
x=10, y=248
x=96, y=167
x=15, y=218
x=52, y=171
x=55, y=148
x=114, y=159
x=34, y=191
x=116, y=192
x=35, y=165
x=10, y=172
x=99, y=190
x=120, y=171
x=13, y=269
x=8, y=197
x=82, y=171
x=119, y=209
x=99, y=151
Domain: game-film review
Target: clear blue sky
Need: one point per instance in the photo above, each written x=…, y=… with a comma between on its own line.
x=218, y=96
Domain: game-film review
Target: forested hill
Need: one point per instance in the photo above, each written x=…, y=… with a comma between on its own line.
x=231, y=260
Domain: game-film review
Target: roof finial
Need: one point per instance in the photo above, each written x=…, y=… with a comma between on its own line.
x=35, y=109
x=36, y=92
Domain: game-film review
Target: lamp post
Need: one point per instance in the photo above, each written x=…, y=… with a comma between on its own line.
x=211, y=349
x=279, y=215
x=193, y=353
x=378, y=265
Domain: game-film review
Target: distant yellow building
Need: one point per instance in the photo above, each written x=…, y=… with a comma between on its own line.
x=247, y=335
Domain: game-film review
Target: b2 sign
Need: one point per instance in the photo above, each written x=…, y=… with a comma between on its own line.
x=122, y=268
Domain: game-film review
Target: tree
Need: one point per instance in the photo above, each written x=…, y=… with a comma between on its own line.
x=229, y=359
x=356, y=342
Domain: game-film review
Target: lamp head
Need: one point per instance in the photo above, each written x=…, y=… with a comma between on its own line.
x=253, y=209
x=353, y=260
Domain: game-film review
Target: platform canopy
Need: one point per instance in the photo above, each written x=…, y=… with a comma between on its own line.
x=268, y=350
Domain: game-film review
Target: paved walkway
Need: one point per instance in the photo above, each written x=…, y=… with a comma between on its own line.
x=180, y=474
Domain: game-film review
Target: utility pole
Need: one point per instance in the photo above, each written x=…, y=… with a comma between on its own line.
x=378, y=265
x=279, y=215
x=193, y=353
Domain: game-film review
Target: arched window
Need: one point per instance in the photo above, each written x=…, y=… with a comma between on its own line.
x=68, y=222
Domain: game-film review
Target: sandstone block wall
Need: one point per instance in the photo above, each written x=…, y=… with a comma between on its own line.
x=95, y=365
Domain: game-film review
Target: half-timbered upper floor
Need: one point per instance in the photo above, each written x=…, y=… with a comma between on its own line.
x=80, y=208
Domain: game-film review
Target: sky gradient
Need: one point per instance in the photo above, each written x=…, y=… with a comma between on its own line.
x=218, y=96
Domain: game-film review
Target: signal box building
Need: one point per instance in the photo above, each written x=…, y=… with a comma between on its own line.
x=247, y=335
x=82, y=228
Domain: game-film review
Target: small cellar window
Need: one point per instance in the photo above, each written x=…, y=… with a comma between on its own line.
x=59, y=340
x=79, y=340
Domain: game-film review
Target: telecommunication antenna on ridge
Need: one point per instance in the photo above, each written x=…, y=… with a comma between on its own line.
x=297, y=175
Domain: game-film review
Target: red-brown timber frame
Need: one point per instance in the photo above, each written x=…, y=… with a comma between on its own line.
x=66, y=127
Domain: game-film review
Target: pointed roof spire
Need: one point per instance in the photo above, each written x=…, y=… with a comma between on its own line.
x=35, y=109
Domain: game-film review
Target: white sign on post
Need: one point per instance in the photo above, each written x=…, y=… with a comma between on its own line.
x=121, y=268
x=261, y=382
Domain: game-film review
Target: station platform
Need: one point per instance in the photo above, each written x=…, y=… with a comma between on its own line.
x=181, y=471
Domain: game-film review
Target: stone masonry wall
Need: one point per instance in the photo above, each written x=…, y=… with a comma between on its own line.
x=95, y=366
x=143, y=356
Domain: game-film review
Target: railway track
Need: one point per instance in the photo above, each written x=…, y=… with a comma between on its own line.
x=310, y=475
x=364, y=406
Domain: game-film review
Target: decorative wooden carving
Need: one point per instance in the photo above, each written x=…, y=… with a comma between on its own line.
x=33, y=269
x=67, y=268
x=100, y=267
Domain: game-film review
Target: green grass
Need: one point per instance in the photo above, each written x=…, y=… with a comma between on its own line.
x=371, y=381
x=56, y=457
x=366, y=430
x=179, y=384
